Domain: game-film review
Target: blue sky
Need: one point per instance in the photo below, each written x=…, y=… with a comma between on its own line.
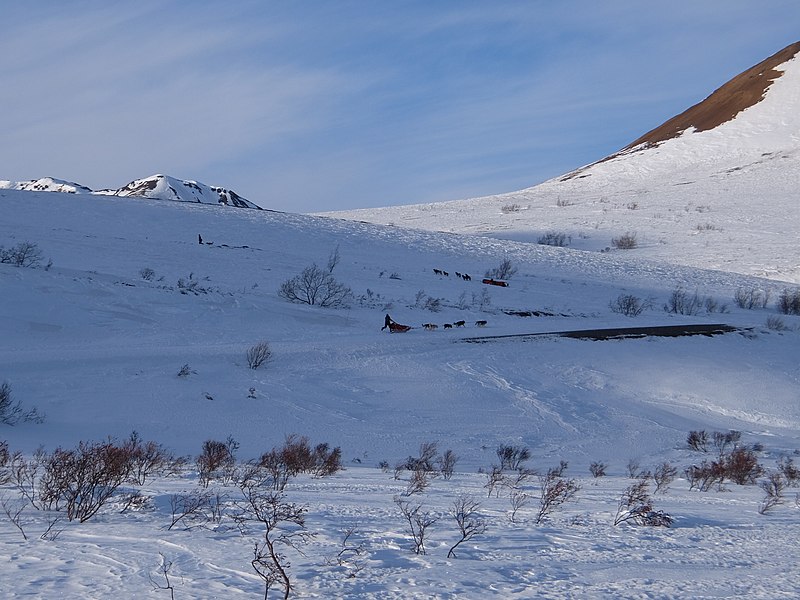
x=309, y=106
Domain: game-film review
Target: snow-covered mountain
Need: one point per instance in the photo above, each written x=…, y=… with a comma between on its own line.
x=715, y=187
x=160, y=187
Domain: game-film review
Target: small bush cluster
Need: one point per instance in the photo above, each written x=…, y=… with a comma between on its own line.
x=682, y=302
x=636, y=506
x=789, y=302
x=553, y=238
x=296, y=456
x=628, y=305
x=734, y=462
x=750, y=298
x=626, y=241
x=24, y=254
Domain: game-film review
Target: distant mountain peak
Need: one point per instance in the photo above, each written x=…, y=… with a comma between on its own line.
x=161, y=187
x=165, y=187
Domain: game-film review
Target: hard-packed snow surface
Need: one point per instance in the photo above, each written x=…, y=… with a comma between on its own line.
x=725, y=198
x=96, y=342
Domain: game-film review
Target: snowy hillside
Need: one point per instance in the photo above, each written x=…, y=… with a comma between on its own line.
x=97, y=339
x=718, y=198
x=161, y=187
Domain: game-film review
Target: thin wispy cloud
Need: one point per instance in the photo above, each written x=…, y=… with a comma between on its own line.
x=311, y=105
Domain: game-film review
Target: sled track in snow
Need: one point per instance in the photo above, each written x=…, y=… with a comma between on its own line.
x=621, y=333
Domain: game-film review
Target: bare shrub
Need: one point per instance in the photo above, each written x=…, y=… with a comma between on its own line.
x=186, y=370
x=773, y=487
x=297, y=456
x=663, y=475
x=494, y=477
x=510, y=208
x=636, y=506
x=83, y=479
x=554, y=238
x=505, y=270
x=24, y=254
x=628, y=305
x=419, y=521
x=148, y=459
x=682, y=303
x=789, y=302
x=512, y=457
x=258, y=354
x=598, y=469
x=192, y=285
x=626, y=241
x=722, y=440
x=555, y=491
x=11, y=411
x=147, y=274
x=518, y=500
x=750, y=298
x=189, y=509
x=742, y=467
x=418, y=483
x=447, y=463
x=788, y=469
x=283, y=526
x=705, y=475
x=163, y=569
x=698, y=440
x=775, y=323
x=316, y=287
x=469, y=521
x=216, y=461
x=334, y=258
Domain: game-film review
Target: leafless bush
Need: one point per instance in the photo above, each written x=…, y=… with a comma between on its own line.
x=163, y=569
x=750, y=298
x=553, y=238
x=789, y=302
x=351, y=555
x=682, y=303
x=598, y=469
x=626, y=241
x=510, y=208
x=628, y=305
x=555, y=491
x=297, y=456
x=788, y=469
x=742, y=467
x=634, y=469
x=334, y=258
x=512, y=457
x=146, y=459
x=494, y=477
x=190, y=509
x=418, y=520
x=505, y=270
x=698, y=440
x=663, y=475
x=705, y=475
x=418, y=483
x=186, y=370
x=722, y=440
x=469, y=521
x=561, y=202
x=775, y=323
x=258, y=354
x=283, y=526
x=447, y=464
x=11, y=411
x=773, y=487
x=216, y=461
x=5, y=460
x=13, y=510
x=147, y=274
x=83, y=479
x=636, y=506
x=192, y=285
x=24, y=254
x=316, y=287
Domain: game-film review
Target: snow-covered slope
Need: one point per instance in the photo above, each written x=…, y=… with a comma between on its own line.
x=45, y=184
x=97, y=341
x=720, y=195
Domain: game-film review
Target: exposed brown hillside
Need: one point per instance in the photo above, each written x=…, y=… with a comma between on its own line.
x=741, y=92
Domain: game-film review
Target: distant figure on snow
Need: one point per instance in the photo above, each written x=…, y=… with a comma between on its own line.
x=199, y=239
